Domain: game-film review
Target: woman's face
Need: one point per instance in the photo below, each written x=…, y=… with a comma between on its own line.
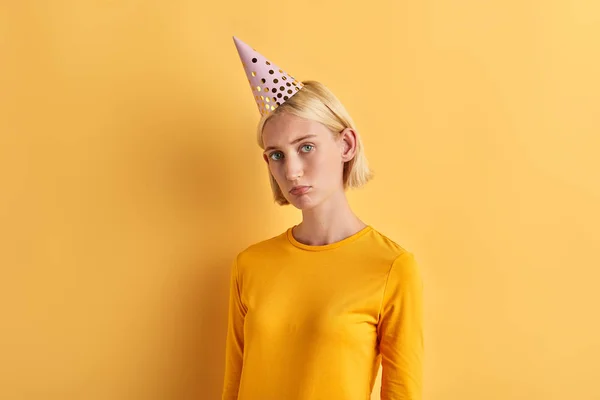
x=304, y=158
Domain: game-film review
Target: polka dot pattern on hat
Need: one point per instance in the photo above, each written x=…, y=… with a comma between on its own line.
x=266, y=78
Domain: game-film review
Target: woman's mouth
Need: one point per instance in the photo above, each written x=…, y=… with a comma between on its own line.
x=299, y=190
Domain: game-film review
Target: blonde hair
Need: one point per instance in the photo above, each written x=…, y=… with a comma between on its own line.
x=317, y=103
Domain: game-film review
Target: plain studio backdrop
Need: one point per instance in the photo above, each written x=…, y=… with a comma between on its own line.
x=130, y=178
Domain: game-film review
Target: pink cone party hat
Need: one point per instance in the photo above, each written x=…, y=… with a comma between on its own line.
x=271, y=86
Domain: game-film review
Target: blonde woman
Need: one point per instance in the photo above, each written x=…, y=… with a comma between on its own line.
x=315, y=310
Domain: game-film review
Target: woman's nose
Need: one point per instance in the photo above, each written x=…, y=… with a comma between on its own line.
x=293, y=168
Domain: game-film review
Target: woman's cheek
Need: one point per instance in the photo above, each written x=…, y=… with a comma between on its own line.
x=322, y=163
x=277, y=172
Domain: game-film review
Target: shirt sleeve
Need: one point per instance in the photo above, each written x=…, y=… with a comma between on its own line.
x=234, y=347
x=400, y=331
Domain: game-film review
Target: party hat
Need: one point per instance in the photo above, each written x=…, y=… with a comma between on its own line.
x=271, y=86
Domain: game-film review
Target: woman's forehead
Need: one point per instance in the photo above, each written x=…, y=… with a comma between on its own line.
x=284, y=128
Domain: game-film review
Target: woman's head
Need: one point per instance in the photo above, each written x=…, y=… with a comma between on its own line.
x=328, y=159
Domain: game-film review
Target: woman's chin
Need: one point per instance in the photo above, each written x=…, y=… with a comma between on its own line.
x=302, y=202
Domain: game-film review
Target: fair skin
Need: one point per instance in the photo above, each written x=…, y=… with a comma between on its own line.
x=305, y=154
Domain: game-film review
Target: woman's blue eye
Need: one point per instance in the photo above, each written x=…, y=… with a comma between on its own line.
x=277, y=155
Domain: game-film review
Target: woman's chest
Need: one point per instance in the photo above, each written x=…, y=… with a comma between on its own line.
x=322, y=301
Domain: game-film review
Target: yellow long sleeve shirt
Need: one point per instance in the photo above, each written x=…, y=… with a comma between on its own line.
x=316, y=322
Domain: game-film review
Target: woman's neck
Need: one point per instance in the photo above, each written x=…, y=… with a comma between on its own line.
x=328, y=223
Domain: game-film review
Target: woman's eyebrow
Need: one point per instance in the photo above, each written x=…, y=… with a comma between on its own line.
x=294, y=141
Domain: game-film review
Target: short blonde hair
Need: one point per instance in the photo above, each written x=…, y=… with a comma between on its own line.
x=317, y=103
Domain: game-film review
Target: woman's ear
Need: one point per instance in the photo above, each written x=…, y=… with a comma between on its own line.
x=348, y=137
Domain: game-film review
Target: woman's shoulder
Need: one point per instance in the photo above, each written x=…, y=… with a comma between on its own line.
x=384, y=241
x=404, y=266
x=263, y=247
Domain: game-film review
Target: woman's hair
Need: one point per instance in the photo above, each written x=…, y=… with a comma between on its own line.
x=317, y=103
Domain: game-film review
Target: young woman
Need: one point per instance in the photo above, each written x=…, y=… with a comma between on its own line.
x=314, y=311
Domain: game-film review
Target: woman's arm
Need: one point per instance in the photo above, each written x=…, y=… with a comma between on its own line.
x=400, y=331
x=234, y=348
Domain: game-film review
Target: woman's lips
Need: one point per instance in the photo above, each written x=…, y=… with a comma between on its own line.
x=298, y=190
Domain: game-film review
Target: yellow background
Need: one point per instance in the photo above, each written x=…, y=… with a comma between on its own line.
x=130, y=178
